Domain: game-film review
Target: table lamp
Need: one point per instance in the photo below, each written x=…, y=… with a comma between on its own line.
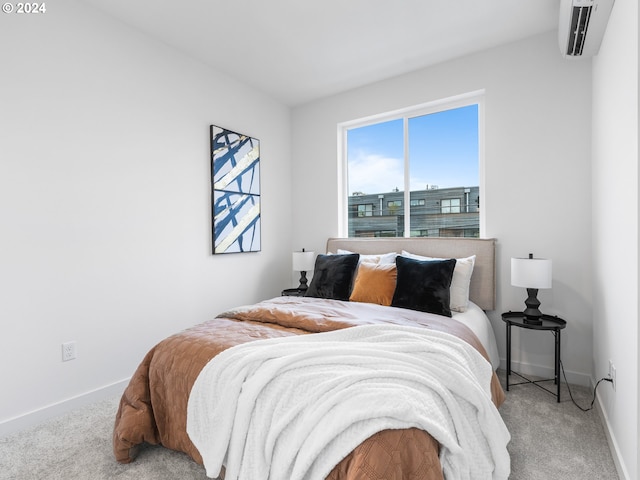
x=303, y=262
x=532, y=274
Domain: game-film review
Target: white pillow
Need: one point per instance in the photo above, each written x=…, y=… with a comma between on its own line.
x=378, y=258
x=459, y=289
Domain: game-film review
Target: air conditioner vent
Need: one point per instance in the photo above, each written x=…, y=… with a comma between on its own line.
x=582, y=24
x=577, y=35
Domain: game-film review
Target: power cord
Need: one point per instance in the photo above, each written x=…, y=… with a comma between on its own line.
x=605, y=379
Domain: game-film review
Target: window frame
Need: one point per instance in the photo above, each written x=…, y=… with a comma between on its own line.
x=450, y=207
x=449, y=103
x=365, y=212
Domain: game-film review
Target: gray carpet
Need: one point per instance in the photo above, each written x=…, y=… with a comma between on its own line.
x=549, y=441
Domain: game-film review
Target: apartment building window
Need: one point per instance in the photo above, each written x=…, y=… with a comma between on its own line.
x=430, y=152
x=450, y=205
x=365, y=210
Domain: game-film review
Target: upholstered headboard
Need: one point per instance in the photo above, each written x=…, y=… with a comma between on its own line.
x=482, y=291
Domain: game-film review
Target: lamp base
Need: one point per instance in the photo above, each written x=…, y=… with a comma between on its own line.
x=532, y=314
x=303, y=281
x=532, y=320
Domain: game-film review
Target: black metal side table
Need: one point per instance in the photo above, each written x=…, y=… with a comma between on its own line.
x=551, y=323
x=293, y=292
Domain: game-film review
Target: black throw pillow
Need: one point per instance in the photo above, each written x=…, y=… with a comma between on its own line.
x=333, y=276
x=423, y=285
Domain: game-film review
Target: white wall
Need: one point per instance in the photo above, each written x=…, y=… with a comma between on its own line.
x=104, y=202
x=537, y=170
x=615, y=230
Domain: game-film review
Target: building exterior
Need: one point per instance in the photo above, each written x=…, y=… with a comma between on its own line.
x=434, y=212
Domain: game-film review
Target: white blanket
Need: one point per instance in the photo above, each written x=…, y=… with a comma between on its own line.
x=293, y=407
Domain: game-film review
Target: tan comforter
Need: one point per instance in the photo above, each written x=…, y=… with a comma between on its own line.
x=154, y=405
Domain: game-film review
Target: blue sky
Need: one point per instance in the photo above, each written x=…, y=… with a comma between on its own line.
x=443, y=150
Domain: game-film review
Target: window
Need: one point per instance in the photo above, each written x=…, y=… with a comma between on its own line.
x=450, y=205
x=365, y=210
x=419, y=166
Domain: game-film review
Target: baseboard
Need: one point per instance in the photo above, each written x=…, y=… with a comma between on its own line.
x=574, y=378
x=611, y=440
x=53, y=410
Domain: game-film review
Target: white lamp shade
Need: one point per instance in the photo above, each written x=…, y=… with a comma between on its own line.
x=531, y=272
x=303, y=261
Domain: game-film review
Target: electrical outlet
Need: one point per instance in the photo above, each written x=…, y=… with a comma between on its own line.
x=612, y=375
x=68, y=351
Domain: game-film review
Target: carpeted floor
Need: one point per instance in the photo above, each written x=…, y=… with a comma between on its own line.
x=549, y=441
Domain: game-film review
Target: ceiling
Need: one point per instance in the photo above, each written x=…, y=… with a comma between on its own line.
x=300, y=50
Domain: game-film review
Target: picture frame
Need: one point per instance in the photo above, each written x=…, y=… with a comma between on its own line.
x=235, y=191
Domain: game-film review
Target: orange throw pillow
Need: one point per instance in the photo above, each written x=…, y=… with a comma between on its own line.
x=375, y=283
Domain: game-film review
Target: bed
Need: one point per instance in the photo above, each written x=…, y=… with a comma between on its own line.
x=169, y=400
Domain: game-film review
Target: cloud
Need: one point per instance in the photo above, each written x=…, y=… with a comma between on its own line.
x=370, y=173
x=373, y=173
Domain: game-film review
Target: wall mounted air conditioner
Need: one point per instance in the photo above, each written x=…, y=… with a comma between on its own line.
x=581, y=26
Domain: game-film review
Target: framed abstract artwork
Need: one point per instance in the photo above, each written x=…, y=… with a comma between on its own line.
x=235, y=196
